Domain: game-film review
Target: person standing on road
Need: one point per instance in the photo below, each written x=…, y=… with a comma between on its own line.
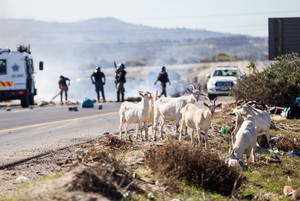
x=63, y=86
x=98, y=79
x=164, y=79
x=120, y=81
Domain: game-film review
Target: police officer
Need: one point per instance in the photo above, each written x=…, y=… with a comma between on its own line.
x=98, y=79
x=164, y=79
x=120, y=81
x=63, y=86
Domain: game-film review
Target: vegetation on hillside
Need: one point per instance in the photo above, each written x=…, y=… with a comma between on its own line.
x=221, y=57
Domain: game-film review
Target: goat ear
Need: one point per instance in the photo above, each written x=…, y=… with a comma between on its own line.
x=219, y=105
x=205, y=104
x=141, y=93
x=189, y=90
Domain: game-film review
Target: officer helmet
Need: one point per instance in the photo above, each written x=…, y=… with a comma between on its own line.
x=163, y=68
x=120, y=67
x=98, y=68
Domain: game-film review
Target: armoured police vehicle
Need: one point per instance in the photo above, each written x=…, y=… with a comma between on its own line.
x=17, y=75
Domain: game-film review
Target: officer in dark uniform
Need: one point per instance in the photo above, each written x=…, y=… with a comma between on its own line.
x=63, y=86
x=164, y=79
x=120, y=81
x=98, y=79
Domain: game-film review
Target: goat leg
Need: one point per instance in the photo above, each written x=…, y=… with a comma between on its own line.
x=120, y=130
x=146, y=130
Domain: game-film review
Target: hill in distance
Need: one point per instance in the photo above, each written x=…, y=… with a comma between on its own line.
x=103, y=40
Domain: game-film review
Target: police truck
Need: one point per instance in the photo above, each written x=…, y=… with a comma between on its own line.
x=17, y=75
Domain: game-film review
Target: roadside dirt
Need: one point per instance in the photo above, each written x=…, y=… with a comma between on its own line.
x=79, y=172
x=35, y=168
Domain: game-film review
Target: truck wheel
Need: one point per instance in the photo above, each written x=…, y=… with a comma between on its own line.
x=25, y=101
x=31, y=99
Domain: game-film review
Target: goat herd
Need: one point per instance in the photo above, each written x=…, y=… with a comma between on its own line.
x=182, y=111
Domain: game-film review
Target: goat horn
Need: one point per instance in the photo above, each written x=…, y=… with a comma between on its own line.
x=192, y=87
x=215, y=99
x=232, y=153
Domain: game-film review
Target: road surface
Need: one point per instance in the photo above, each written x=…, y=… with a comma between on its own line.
x=28, y=132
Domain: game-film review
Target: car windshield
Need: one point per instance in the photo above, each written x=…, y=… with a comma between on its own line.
x=226, y=72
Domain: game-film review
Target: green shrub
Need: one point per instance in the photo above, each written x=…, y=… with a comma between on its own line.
x=278, y=84
x=221, y=57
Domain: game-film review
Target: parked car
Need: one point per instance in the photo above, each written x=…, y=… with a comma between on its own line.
x=222, y=79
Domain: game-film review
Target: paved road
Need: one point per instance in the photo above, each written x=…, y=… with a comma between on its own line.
x=26, y=132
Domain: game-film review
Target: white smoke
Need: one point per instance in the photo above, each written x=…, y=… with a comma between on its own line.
x=78, y=60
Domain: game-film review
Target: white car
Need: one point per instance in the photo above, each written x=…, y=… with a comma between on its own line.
x=222, y=79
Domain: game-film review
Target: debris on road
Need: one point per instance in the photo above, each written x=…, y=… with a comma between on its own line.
x=73, y=109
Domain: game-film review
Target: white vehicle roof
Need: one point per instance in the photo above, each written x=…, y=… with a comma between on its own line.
x=226, y=67
x=227, y=71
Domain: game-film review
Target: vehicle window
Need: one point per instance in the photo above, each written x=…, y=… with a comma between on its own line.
x=218, y=73
x=232, y=73
x=2, y=67
x=29, y=66
x=227, y=72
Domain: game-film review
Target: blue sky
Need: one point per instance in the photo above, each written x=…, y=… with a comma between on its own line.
x=231, y=16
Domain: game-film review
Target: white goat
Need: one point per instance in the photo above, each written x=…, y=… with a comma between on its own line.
x=198, y=119
x=245, y=143
x=168, y=109
x=261, y=120
x=135, y=113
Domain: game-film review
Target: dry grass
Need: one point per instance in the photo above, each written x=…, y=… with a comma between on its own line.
x=288, y=144
x=176, y=160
